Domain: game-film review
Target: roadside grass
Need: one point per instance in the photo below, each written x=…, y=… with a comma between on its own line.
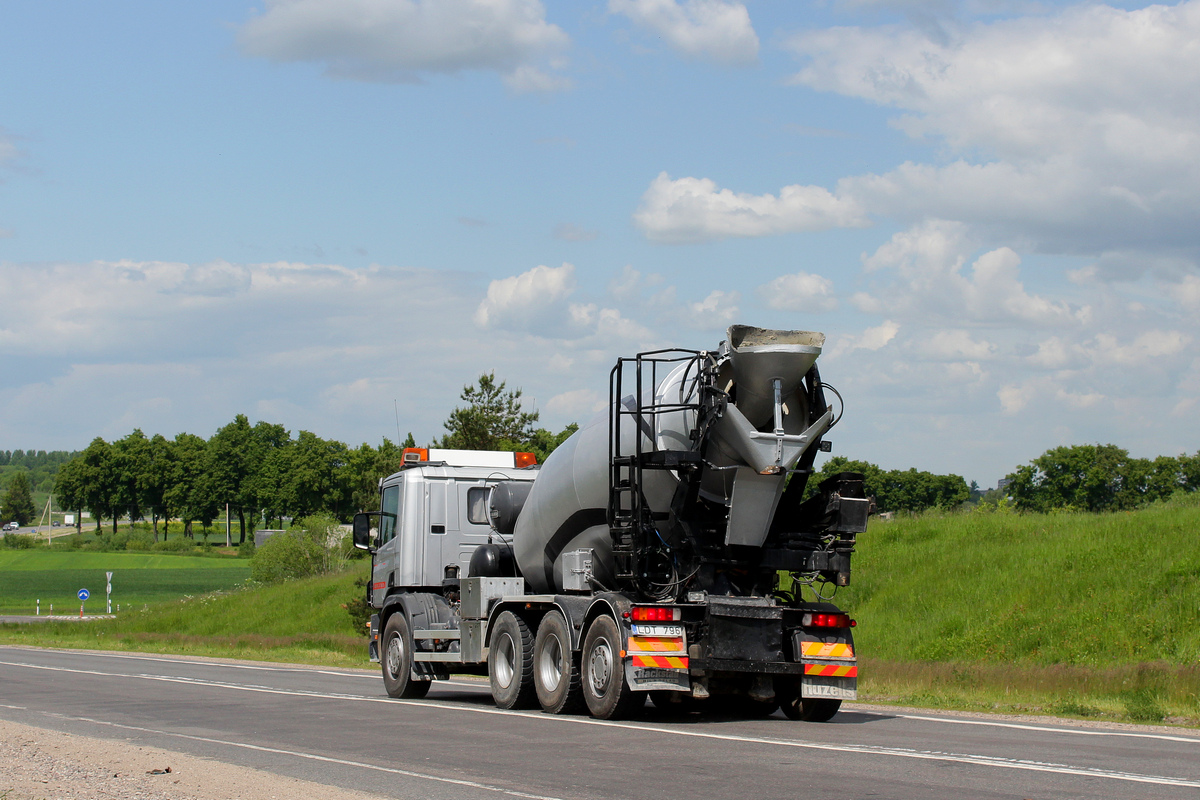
x=1084, y=615
x=295, y=622
x=1092, y=616
x=55, y=576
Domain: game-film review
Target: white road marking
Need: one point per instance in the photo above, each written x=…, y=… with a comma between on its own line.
x=315, y=757
x=1077, y=731
x=928, y=755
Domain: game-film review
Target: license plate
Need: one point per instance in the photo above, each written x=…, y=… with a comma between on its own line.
x=658, y=630
x=833, y=688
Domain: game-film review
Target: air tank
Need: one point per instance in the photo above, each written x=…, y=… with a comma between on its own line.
x=760, y=434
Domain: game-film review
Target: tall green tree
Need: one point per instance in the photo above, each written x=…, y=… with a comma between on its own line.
x=232, y=464
x=130, y=460
x=97, y=477
x=492, y=418
x=69, y=488
x=18, y=501
x=189, y=493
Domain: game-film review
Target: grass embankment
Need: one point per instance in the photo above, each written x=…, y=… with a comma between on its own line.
x=297, y=621
x=56, y=576
x=1090, y=615
x=1094, y=615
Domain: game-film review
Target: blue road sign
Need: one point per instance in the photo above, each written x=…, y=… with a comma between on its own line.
x=84, y=594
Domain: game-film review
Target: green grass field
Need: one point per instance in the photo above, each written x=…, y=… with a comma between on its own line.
x=55, y=577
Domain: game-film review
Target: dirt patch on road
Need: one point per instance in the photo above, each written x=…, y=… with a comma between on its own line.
x=39, y=764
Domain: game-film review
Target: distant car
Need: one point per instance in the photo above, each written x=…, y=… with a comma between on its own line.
x=12, y=526
x=56, y=524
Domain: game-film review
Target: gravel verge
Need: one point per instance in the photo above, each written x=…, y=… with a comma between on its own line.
x=41, y=764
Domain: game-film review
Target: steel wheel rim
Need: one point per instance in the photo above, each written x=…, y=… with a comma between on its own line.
x=395, y=656
x=549, y=669
x=505, y=667
x=601, y=663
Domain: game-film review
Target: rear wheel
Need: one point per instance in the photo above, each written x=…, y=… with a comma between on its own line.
x=605, y=690
x=555, y=670
x=813, y=709
x=510, y=662
x=397, y=660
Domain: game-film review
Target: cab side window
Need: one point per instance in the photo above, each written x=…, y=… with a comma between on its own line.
x=477, y=505
x=391, y=514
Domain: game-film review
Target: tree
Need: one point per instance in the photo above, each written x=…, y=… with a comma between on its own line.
x=129, y=464
x=1090, y=477
x=189, y=487
x=898, y=490
x=231, y=464
x=18, y=501
x=491, y=420
x=97, y=479
x=68, y=486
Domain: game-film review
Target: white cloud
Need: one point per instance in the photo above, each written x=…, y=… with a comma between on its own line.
x=403, y=40
x=955, y=345
x=1188, y=293
x=716, y=312
x=695, y=210
x=1075, y=117
x=709, y=30
x=925, y=264
x=870, y=339
x=801, y=291
x=521, y=301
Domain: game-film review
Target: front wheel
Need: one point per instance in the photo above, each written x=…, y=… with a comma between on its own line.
x=510, y=662
x=605, y=689
x=397, y=660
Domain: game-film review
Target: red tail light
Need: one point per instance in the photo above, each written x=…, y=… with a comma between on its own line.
x=823, y=620
x=655, y=614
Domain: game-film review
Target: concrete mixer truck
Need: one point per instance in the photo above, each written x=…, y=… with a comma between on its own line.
x=667, y=549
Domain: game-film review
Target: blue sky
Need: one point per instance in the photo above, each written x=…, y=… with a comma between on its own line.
x=315, y=212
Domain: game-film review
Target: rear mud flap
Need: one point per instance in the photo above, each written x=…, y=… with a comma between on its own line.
x=648, y=679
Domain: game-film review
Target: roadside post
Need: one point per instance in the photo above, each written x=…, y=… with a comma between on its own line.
x=109, y=595
x=39, y=608
x=84, y=594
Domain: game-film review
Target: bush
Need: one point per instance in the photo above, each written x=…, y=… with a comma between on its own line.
x=19, y=541
x=179, y=545
x=310, y=547
x=360, y=613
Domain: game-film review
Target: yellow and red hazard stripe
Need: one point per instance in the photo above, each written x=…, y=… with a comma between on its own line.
x=831, y=670
x=666, y=662
x=655, y=644
x=823, y=650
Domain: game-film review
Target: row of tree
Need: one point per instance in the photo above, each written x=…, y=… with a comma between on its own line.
x=898, y=490
x=38, y=466
x=1099, y=477
x=262, y=473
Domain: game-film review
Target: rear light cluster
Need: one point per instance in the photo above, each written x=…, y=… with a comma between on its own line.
x=827, y=621
x=655, y=614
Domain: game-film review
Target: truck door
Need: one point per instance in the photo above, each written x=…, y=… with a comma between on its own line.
x=386, y=556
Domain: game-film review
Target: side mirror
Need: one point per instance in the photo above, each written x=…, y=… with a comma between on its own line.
x=362, y=531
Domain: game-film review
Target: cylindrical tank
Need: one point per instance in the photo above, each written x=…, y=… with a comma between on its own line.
x=567, y=507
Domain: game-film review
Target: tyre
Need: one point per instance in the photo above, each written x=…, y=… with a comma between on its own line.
x=813, y=709
x=555, y=670
x=510, y=662
x=605, y=690
x=396, y=660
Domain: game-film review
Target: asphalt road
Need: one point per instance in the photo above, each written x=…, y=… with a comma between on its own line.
x=338, y=727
